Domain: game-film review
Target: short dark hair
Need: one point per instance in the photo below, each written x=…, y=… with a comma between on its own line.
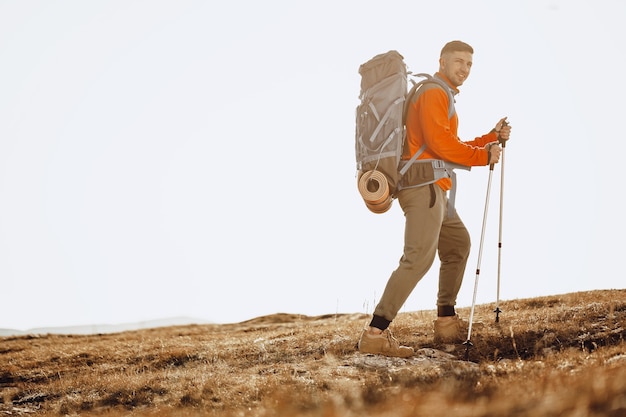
x=456, y=46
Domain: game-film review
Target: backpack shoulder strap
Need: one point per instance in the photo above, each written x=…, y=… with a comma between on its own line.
x=422, y=86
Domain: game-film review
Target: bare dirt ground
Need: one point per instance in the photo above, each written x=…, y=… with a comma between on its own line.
x=560, y=355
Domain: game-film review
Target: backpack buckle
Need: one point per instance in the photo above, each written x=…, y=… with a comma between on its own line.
x=439, y=164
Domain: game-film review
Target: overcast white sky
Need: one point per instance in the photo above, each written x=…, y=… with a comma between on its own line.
x=196, y=158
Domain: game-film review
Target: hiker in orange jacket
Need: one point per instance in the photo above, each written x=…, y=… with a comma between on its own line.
x=431, y=225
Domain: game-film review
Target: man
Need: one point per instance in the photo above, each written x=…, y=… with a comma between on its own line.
x=431, y=226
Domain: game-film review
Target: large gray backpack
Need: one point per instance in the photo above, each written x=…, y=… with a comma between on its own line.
x=380, y=129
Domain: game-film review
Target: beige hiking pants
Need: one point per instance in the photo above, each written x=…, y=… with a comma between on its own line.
x=427, y=230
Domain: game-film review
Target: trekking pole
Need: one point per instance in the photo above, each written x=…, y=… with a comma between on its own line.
x=497, y=310
x=468, y=342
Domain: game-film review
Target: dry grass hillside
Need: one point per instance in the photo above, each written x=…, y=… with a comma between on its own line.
x=552, y=356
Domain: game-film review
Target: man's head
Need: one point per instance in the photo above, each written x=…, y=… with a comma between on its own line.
x=455, y=61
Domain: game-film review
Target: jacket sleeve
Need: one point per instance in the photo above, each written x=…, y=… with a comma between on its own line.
x=440, y=132
x=483, y=140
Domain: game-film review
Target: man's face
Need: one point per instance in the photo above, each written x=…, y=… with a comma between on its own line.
x=456, y=66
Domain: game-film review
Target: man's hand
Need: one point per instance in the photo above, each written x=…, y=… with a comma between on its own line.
x=494, y=152
x=503, y=130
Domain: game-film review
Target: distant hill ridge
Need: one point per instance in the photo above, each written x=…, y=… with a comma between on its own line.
x=276, y=318
x=106, y=328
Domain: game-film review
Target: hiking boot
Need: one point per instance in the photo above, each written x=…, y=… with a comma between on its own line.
x=383, y=344
x=450, y=329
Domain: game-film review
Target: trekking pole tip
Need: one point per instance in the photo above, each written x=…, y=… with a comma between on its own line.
x=497, y=311
x=468, y=344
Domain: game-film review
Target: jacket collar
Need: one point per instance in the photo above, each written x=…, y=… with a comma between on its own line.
x=453, y=89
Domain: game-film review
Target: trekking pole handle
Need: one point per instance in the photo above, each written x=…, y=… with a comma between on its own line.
x=500, y=141
x=489, y=152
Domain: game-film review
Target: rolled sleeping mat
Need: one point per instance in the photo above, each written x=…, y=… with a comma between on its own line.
x=380, y=208
x=374, y=189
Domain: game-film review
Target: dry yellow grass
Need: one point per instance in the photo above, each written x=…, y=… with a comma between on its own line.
x=551, y=356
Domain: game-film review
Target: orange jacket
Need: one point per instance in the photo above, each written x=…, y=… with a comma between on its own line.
x=427, y=122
